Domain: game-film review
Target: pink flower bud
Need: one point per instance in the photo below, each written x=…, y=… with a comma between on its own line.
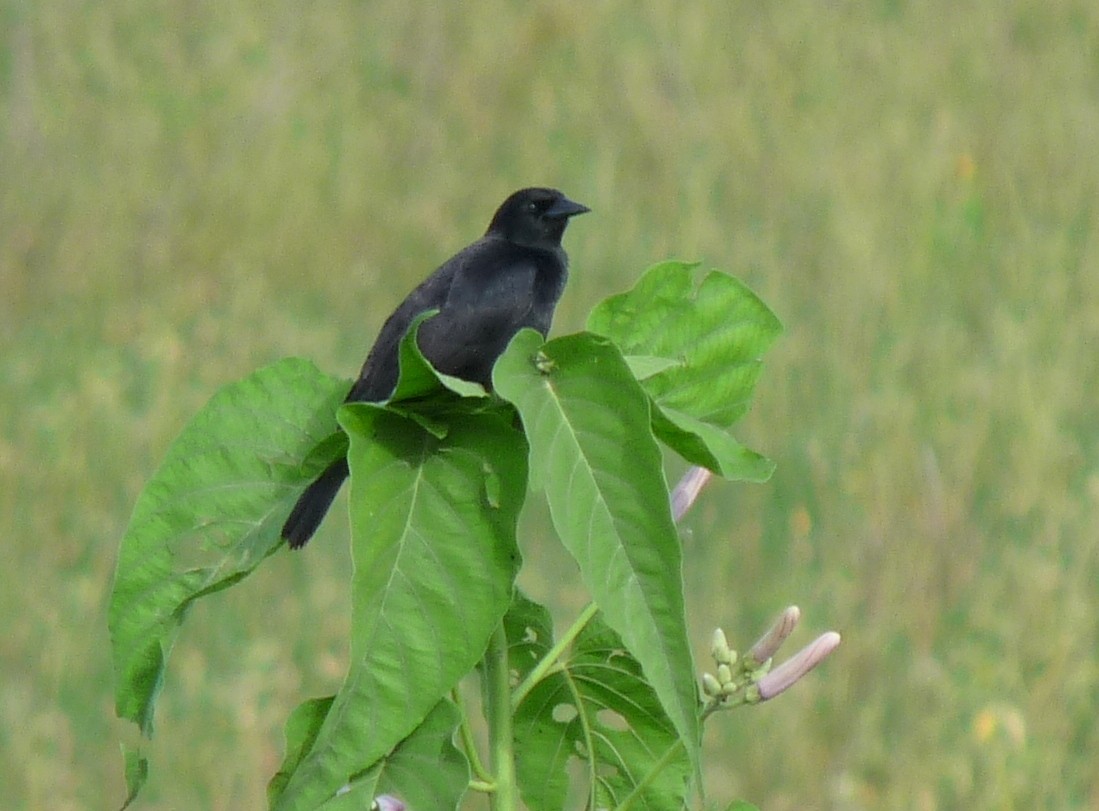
x=387, y=802
x=771, y=641
x=785, y=675
x=688, y=489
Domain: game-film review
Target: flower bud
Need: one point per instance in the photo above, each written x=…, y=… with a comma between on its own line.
x=710, y=685
x=724, y=675
x=785, y=675
x=685, y=493
x=387, y=802
x=770, y=642
x=719, y=649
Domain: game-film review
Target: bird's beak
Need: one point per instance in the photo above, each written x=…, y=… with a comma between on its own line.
x=564, y=208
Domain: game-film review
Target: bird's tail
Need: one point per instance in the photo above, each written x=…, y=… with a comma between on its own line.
x=313, y=504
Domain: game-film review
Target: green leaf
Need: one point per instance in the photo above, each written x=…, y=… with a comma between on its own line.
x=645, y=366
x=541, y=770
x=592, y=450
x=136, y=771
x=598, y=708
x=301, y=732
x=703, y=444
x=716, y=335
x=212, y=512
x=717, y=332
x=529, y=629
x=433, y=539
x=418, y=378
x=423, y=393
x=425, y=770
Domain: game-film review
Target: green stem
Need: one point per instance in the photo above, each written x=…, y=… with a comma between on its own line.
x=483, y=778
x=501, y=741
x=549, y=661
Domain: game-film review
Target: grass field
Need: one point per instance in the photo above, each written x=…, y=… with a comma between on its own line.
x=190, y=190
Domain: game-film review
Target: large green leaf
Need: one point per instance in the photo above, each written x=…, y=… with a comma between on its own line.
x=212, y=512
x=418, y=378
x=425, y=770
x=708, y=446
x=433, y=537
x=593, y=452
x=712, y=338
x=426, y=395
x=595, y=707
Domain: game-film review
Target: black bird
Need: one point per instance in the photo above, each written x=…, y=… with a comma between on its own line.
x=510, y=278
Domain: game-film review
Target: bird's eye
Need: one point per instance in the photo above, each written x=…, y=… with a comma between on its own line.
x=532, y=207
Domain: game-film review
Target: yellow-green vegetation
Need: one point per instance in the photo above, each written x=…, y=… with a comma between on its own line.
x=190, y=190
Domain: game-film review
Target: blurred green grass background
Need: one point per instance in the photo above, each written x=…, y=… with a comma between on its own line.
x=191, y=190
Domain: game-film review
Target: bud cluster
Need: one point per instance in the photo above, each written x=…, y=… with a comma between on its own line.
x=750, y=679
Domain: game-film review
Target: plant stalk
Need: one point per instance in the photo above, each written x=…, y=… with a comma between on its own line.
x=501, y=740
x=549, y=661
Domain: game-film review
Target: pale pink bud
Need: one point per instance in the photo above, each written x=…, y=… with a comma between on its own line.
x=688, y=489
x=785, y=675
x=771, y=641
x=387, y=802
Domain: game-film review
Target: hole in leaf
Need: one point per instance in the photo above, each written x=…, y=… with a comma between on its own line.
x=612, y=720
x=563, y=713
x=608, y=771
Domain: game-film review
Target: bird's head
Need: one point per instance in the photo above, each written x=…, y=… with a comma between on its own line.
x=535, y=217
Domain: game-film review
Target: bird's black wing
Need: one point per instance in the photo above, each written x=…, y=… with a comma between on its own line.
x=379, y=373
x=376, y=382
x=497, y=290
x=485, y=294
